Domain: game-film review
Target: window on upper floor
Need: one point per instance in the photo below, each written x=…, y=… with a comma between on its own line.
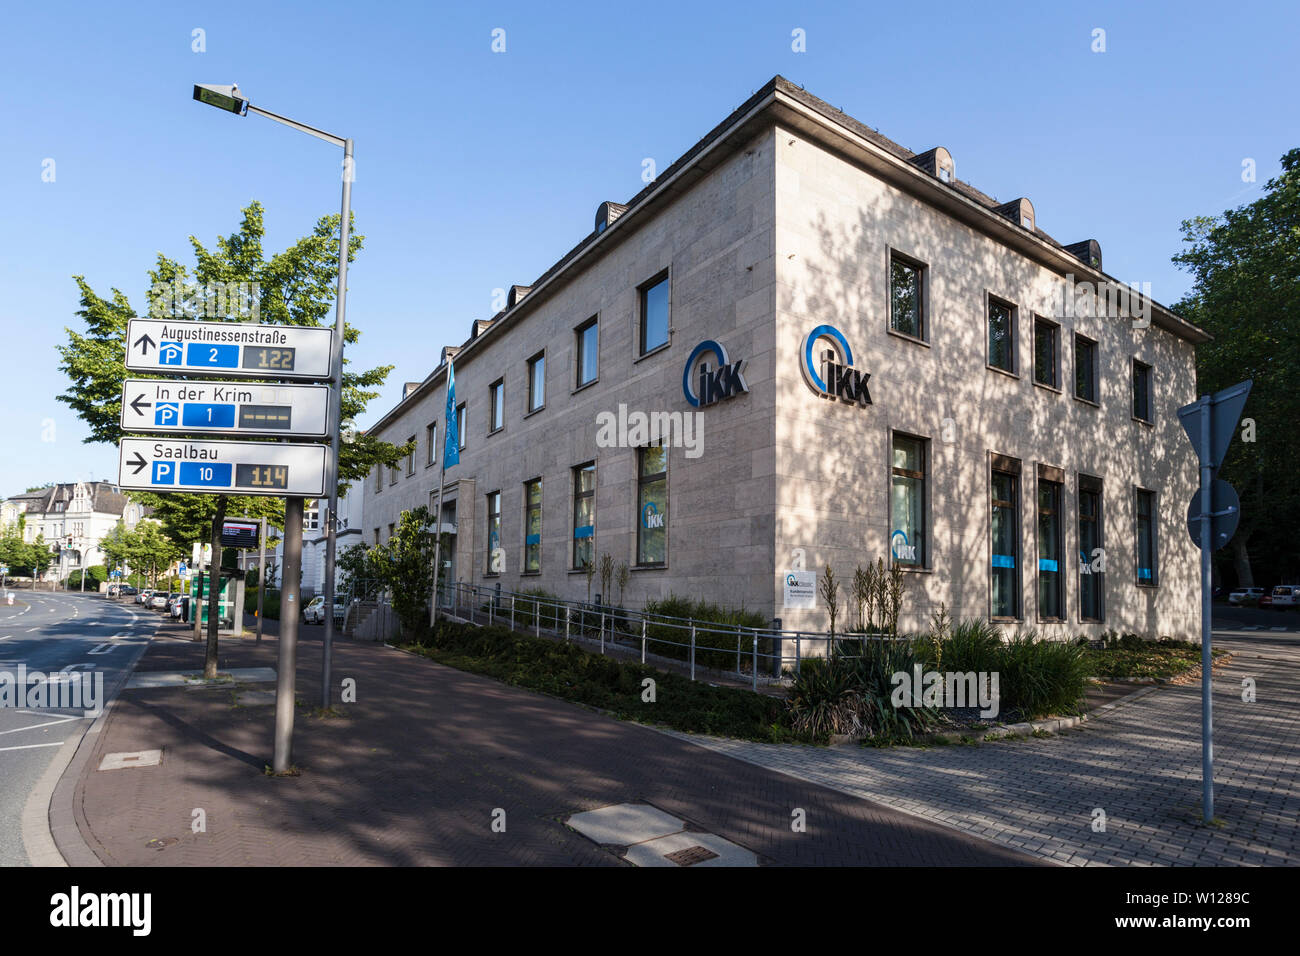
x=654, y=313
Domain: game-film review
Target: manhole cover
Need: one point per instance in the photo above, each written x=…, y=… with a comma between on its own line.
x=162, y=843
x=691, y=855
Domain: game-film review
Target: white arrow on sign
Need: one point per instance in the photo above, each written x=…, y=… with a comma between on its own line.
x=233, y=467
x=234, y=408
x=229, y=348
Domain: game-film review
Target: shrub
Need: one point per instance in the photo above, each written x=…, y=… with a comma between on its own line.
x=1039, y=677
x=711, y=649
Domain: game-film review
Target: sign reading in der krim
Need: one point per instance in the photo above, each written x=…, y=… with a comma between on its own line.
x=229, y=348
x=229, y=467
x=235, y=408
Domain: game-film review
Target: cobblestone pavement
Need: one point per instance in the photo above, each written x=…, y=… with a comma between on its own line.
x=415, y=771
x=1140, y=764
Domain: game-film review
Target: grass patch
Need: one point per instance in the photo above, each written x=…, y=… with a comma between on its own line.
x=1164, y=658
x=566, y=671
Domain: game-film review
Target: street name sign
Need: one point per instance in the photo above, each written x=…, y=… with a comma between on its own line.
x=229, y=348
x=224, y=467
x=235, y=408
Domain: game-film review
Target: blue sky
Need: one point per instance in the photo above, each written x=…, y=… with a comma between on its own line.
x=476, y=169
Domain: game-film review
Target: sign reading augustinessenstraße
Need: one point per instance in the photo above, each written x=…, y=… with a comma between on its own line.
x=229, y=348
x=224, y=467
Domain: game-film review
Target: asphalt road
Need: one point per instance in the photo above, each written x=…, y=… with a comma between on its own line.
x=52, y=633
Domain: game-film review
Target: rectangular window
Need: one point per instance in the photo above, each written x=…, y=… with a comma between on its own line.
x=498, y=410
x=394, y=472
x=462, y=419
x=410, y=456
x=588, y=339
x=1046, y=358
x=1092, y=557
x=376, y=537
x=654, y=314
x=391, y=529
x=652, y=506
x=907, y=502
x=379, y=478
x=493, y=526
x=1051, y=600
x=1141, y=391
x=536, y=382
x=907, y=297
x=1005, y=590
x=584, y=513
x=1085, y=369
x=431, y=436
x=1002, y=335
x=1145, y=513
x=533, y=525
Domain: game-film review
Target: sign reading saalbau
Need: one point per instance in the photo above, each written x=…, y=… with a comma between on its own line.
x=832, y=375
x=229, y=348
x=237, y=408
x=230, y=467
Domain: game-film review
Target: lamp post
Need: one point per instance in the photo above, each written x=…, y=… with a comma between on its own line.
x=230, y=99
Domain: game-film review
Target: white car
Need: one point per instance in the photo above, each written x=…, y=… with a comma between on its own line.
x=314, y=613
x=1246, y=596
x=159, y=600
x=1286, y=596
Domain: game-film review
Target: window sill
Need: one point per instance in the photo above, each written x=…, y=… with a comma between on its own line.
x=1047, y=388
x=1146, y=586
x=654, y=351
x=911, y=569
x=530, y=574
x=496, y=431
x=649, y=567
x=430, y=464
x=539, y=408
x=1001, y=371
x=1087, y=401
x=1143, y=421
x=1006, y=620
x=907, y=338
x=584, y=385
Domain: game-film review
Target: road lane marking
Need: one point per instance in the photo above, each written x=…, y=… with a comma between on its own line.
x=57, y=743
x=48, y=723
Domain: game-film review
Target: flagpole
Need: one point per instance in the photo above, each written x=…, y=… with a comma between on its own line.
x=450, y=448
x=437, y=542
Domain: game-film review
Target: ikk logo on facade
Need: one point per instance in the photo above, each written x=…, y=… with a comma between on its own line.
x=837, y=377
x=724, y=381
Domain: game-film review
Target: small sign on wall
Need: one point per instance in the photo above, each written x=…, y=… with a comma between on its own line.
x=800, y=590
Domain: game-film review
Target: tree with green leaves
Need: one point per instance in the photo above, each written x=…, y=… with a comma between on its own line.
x=404, y=564
x=294, y=287
x=1245, y=266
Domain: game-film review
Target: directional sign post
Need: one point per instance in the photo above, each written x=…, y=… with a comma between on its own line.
x=236, y=408
x=222, y=467
x=229, y=348
x=1210, y=422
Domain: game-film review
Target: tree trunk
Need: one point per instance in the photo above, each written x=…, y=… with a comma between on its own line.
x=214, y=592
x=1241, y=561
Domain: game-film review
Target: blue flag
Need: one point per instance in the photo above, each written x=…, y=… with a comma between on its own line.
x=451, y=446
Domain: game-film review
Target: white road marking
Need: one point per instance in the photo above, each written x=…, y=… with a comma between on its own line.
x=48, y=723
x=57, y=743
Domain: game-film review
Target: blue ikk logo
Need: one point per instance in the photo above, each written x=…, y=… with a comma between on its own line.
x=714, y=384
x=166, y=413
x=791, y=580
x=902, y=551
x=832, y=374
x=650, y=516
x=170, y=353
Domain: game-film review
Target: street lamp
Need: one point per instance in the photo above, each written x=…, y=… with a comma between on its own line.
x=232, y=100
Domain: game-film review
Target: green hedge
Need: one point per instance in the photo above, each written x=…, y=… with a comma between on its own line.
x=711, y=649
x=271, y=606
x=566, y=671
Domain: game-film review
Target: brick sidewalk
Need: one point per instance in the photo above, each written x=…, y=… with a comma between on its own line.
x=1140, y=764
x=413, y=773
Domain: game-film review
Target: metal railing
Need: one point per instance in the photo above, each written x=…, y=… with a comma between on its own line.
x=758, y=654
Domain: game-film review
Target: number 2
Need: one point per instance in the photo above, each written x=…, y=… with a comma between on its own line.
x=213, y=359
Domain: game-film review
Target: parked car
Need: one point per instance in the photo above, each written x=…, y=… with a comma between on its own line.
x=1246, y=596
x=128, y=589
x=158, y=601
x=143, y=597
x=1286, y=596
x=314, y=613
x=114, y=590
x=1266, y=600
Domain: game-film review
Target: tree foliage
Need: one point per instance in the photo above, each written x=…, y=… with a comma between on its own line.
x=1245, y=266
x=404, y=565
x=296, y=288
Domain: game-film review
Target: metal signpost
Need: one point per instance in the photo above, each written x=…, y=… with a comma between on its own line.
x=294, y=471
x=235, y=408
x=1210, y=422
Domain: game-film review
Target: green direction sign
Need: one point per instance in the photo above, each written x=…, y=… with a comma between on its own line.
x=225, y=600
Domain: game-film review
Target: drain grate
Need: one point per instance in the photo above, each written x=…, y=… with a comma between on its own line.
x=691, y=855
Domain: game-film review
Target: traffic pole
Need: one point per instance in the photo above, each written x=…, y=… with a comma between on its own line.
x=1207, y=670
x=287, y=652
x=261, y=579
